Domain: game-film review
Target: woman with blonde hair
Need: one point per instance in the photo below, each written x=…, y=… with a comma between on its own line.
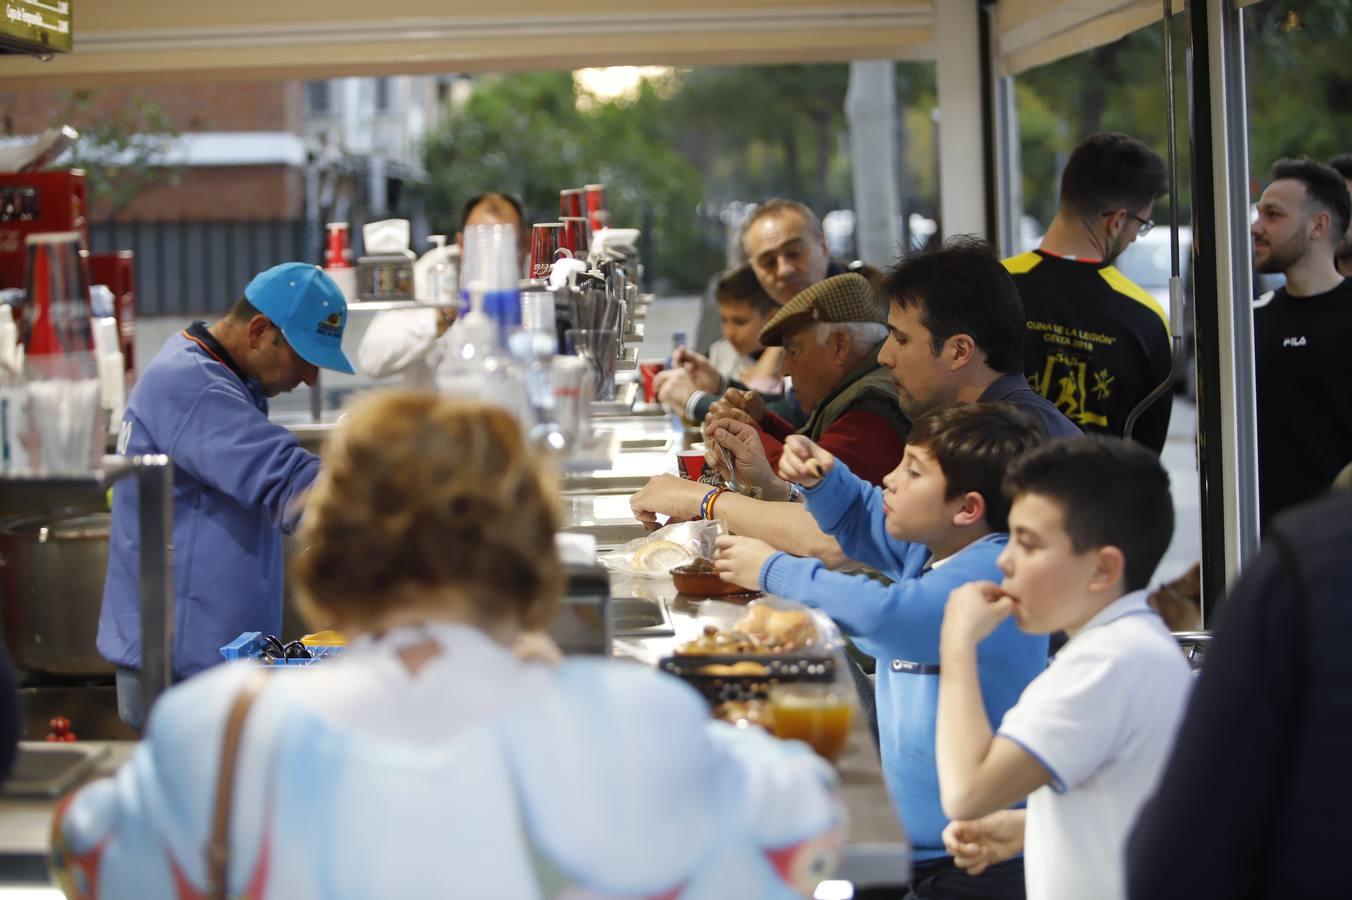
x=429, y=759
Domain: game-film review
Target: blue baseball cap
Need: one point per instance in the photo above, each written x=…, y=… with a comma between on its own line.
x=309, y=309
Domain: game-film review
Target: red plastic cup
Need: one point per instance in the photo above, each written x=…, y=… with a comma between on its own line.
x=648, y=371
x=692, y=463
x=546, y=239
x=338, y=254
x=571, y=203
x=596, y=205
x=576, y=235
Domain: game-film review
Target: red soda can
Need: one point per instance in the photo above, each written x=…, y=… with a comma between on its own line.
x=576, y=235
x=596, y=205
x=545, y=242
x=570, y=203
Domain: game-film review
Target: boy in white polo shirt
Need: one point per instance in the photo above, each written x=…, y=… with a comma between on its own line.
x=1088, y=738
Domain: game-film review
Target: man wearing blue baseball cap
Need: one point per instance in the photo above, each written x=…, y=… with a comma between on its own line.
x=238, y=477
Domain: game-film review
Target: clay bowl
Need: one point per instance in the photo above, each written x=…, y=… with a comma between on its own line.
x=699, y=582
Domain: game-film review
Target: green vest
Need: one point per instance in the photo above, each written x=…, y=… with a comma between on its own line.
x=868, y=387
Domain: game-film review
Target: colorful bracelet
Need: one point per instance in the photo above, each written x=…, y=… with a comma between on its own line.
x=715, y=500
x=706, y=506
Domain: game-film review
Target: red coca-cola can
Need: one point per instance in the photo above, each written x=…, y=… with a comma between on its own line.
x=571, y=203
x=546, y=240
x=596, y=205
x=577, y=235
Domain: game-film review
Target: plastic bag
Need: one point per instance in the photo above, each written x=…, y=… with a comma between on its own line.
x=727, y=616
x=656, y=554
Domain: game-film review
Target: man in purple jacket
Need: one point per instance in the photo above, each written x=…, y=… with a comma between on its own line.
x=238, y=477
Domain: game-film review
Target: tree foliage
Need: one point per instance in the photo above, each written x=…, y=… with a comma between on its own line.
x=685, y=147
x=123, y=153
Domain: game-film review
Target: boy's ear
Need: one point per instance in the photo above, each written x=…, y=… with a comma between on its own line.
x=1110, y=568
x=972, y=512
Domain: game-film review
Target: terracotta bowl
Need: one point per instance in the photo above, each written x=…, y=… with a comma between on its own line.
x=698, y=582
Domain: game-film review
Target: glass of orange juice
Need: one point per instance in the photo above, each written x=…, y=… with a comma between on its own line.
x=817, y=714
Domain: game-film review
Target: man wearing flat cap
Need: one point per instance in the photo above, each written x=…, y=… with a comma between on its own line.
x=831, y=334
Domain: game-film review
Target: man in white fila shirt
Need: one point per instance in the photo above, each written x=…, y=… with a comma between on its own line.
x=1303, y=364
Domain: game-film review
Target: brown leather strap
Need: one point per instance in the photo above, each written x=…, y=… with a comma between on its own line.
x=218, y=846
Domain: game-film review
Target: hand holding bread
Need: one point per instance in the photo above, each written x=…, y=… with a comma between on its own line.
x=804, y=462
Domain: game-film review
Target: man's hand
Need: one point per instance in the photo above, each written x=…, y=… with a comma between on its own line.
x=673, y=387
x=803, y=462
x=740, y=560
x=667, y=495
x=749, y=403
x=742, y=448
x=701, y=371
x=722, y=409
x=975, y=845
x=973, y=611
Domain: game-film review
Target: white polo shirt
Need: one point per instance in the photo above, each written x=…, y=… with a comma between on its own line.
x=1102, y=720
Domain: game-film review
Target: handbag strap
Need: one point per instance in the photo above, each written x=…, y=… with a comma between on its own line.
x=218, y=845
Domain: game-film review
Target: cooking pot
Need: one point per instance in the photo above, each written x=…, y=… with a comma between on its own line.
x=52, y=567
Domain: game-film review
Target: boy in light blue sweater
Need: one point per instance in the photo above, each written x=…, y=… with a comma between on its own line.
x=937, y=523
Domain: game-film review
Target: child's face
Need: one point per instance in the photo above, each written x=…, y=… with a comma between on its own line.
x=1049, y=582
x=913, y=499
x=742, y=324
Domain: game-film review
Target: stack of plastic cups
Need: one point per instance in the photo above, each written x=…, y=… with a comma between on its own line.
x=338, y=260
x=490, y=267
x=111, y=368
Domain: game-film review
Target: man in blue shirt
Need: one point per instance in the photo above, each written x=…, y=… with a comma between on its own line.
x=238, y=477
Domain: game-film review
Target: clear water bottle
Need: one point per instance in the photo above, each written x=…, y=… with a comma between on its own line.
x=476, y=367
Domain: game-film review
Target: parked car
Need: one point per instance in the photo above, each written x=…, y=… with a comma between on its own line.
x=1147, y=262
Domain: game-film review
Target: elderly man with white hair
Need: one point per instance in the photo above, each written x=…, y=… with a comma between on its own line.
x=831, y=334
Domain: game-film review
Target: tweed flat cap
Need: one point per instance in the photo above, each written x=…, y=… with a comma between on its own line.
x=840, y=298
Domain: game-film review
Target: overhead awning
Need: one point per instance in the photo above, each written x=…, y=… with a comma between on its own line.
x=1036, y=32
x=146, y=41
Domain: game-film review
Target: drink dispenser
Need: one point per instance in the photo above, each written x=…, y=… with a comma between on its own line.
x=57, y=311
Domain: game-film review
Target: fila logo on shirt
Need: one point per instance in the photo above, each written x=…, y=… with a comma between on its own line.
x=1294, y=341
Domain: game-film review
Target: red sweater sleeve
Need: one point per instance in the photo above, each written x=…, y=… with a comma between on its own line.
x=865, y=442
x=773, y=431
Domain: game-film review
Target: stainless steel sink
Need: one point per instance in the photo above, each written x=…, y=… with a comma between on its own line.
x=639, y=617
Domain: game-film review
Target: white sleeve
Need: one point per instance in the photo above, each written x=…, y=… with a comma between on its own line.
x=724, y=358
x=1070, y=717
x=395, y=339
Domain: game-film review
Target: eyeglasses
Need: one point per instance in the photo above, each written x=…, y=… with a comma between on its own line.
x=1145, y=224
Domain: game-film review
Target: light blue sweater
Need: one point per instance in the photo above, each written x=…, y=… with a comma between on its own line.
x=237, y=480
x=899, y=625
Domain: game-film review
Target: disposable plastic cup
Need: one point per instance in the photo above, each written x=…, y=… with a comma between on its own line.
x=691, y=463
x=817, y=714
x=648, y=370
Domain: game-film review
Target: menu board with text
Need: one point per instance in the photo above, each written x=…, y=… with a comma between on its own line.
x=40, y=26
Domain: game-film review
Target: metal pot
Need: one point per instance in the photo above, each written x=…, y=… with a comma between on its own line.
x=52, y=567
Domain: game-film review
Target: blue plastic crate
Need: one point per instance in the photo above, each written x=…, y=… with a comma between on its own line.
x=249, y=645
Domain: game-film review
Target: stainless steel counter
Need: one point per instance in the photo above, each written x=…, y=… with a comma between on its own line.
x=26, y=824
x=877, y=852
